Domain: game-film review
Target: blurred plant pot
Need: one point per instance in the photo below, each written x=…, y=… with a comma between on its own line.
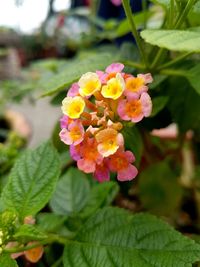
x=15, y=132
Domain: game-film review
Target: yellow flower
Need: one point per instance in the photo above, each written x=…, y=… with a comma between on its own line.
x=114, y=87
x=73, y=106
x=109, y=140
x=89, y=83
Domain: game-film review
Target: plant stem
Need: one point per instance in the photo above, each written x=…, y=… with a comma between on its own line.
x=57, y=263
x=52, y=238
x=144, y=8
x=134, y=31
x=184, y=14
x=133, y=64
x=157, y=58
x=171, y=14
x=175, y=60
x=177, y=25
x=173, y=72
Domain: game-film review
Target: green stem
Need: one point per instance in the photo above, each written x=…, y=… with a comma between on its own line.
x=58, y=262
x=144, y=8
x=177, y=25
x=134, y=31
x=173, y=72
x=133, y=64
x=52, y=238
x=21, y=249
x=171, y=14
x=184, y=14
x=175, y=60
x=157, y=58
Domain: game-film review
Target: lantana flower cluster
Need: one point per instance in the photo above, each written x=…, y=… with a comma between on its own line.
x=95, y=110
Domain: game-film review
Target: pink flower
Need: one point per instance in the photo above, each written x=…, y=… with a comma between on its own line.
x=116, y=2
x=74, y=134
x=65, y=121
x=102, y=172
x=135, y=109
x=120, y=162
x=74, y=90
x=115, y=67
x=135, y=86
x=111, y=72
x=87, y=155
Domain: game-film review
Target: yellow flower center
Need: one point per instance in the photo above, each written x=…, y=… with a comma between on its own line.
x=73, y=106
x=134, y=84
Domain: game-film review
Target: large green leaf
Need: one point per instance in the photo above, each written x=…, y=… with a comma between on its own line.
x=6, y=261
x=74, y=69
x=159, y=187
x=113, y=237
x=71, y=193
x=176, y=40
x=32, y=180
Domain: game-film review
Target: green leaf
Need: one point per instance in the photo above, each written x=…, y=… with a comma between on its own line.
x=50, y=222
x=158, y=104
x=74, y=70
x=176, y=40
x=159, y=187
x=7, y=261
x=100, y=196
x=71, y=193
x=113, y=237
x=133, y=142
x=27, y=232
x=32, y=180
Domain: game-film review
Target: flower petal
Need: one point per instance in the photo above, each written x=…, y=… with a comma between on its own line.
x=127, y=174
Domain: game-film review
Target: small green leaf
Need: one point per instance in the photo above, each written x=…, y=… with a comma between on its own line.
x=50, y=222
x=27, y=233
x=71, y=193
x=176, y=40
x=113, y=237
x=7, y=261
x=101, y=195
x=32, y=180
x=158, y=104
x=133, y=142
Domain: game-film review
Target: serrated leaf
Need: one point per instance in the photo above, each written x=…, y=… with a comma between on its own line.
x=7, y=261
x=133, y=142
x=176, y=40
x=113, y=237
x=159, y=187
x=158, y=104
x=101, y=195
x=50, y=222
x=71, y=193
x=74, y=70
x=32, y=180
x=27, y=232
